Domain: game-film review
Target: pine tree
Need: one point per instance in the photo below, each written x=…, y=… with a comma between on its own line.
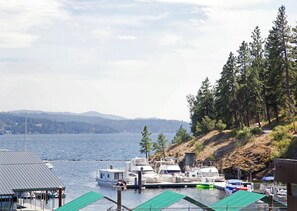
x=226, y=92
x=161, y=144
x=145, y=143
x=256, y=75
x=280, y=63
x=243, y=61
x=201, y=105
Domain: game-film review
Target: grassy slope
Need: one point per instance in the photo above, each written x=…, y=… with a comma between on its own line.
x=250, y=156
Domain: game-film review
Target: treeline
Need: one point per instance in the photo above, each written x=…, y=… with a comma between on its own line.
x=257, y=83
x=14, y=123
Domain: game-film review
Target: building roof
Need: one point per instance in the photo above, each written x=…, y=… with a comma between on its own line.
x=81, y=202
x=24, y=171
x=237, y=201
x=164, y=200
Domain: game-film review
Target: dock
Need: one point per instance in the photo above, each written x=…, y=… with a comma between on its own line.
x=217, y=185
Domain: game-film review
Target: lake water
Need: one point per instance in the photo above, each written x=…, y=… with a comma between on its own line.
x=76, y=159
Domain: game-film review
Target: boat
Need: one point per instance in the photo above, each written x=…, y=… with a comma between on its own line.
x=205, y=174
x=234, y=185
x=168, y=170
x=110, y=177
x=48, y=164
x=205, y=185
x=141, y=164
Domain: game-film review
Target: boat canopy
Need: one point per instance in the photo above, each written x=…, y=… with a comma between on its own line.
x=166, y=199
x=237, y=201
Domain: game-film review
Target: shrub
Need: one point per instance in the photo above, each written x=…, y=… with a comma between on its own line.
x=256, y=130
x=281, y=139
x=244, y=134
x=205, y=126
x=198, y=147
x=220, y=125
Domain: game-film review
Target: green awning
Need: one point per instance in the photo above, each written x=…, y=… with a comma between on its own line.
x=81, y=202
x=237, y=201
x=164, y=200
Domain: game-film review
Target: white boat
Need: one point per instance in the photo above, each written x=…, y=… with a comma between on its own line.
x=110, y=177
x=168, y=171
x=234, y=185
x=48, y=164
x=142, y=164
x=205, y=174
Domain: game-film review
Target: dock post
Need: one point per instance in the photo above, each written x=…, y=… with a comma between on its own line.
x=60, y=196
x=139, y=181
x=119, y=199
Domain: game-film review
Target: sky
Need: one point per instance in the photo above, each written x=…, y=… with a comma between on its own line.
x=132, y=58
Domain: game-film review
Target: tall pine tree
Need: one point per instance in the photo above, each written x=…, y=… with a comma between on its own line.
x=226, y=104
x=201, y=105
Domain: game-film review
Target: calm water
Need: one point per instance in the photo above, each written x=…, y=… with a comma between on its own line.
x=77, y=157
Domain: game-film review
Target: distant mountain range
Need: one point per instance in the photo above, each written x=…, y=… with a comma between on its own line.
x=41, y=122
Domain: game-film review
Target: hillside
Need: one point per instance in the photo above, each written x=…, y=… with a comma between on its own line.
x=229, y=153
x=40, y=122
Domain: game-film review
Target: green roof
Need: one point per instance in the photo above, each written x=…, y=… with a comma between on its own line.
x=237, y=201
x=164, y=200
x=81, y=202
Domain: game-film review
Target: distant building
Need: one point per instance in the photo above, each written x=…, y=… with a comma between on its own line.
x=286, y=172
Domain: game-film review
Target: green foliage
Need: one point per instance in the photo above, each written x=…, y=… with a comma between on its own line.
x=220, y=125
x=281, y=139
x=256, y=130
x=261, y=77
x=280, y=133
x=146, y=142
x=198, y=147
x=244, y=134
x=181, y=136
x=201, y=105
x=161, y=144
x=205, y=126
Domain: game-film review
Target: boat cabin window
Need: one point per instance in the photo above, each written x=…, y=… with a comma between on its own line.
x=101, y=175
x=118, y=175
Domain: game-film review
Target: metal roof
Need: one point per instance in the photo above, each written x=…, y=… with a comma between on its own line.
x=18, y=176
x=81, y=202
x=237, y=201
x=166, y=199
x=18, y=157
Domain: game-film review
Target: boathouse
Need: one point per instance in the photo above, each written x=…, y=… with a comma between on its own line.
x=22, y=171
x=286, y=172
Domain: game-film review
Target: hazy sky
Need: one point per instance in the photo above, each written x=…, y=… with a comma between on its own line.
x=133, y=58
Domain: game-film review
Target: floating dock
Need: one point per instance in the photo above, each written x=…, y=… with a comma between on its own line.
x=217, y=185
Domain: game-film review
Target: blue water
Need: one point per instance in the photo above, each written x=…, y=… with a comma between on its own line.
x=76, y=159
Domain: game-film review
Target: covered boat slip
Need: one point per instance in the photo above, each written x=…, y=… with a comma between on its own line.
x=23, y=171
x=166, y=199
x=241, y=200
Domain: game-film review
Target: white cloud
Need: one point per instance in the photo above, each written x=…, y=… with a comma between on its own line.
x=218, y=3
x=19, y=20
x=170, y=40
x=127, y=37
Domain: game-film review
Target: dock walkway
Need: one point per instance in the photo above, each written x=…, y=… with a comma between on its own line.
x=217, y=185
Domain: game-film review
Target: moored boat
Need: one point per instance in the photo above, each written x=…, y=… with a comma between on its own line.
x=110, y=177
x=205, y=174
x=142, y=164
x=234, y=185
x=205, y=185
